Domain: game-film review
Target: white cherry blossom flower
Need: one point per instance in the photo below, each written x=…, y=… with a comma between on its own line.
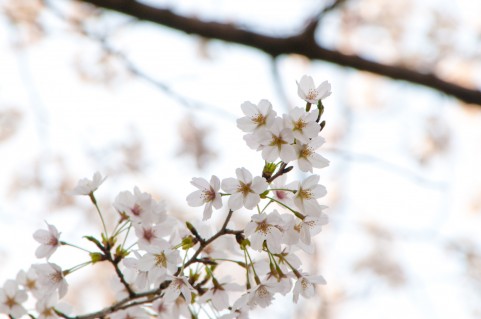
x=11, y=299
x=244, y=190
x=265, y=227
x=305, y=285
x=49, y=241
x=140, y=207
x=256, y=117
x=303, y=124
x=86, y=186
x=29, y=281
x=151, y=234
x=307, y=157
x=51, y=278
x=263, y=294
x=276, y=143
x=310, y=226
x=307, y=194
x=308, y=91
x=178, y=285
x=207, y=194
x=159, y=261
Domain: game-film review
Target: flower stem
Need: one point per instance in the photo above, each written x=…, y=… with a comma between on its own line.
x=94, y=201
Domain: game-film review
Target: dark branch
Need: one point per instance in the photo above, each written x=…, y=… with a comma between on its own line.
x=303, y=44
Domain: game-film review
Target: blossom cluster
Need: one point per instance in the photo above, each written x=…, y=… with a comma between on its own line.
x=168, y=269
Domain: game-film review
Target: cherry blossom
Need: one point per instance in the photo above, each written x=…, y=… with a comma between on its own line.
x=159, y=261
x=265, y=227
x=207, y=194
x=244, y=190
x=263, y=294
x=276, y=143
x=140, y=206
x=310, y=226
x=305, y=285
x=29, y=281
x=303, y=124
x=11, y=299
x=86, y=186
x=307, y=157
x=307, y=90
x=178, y=285
x=51, y=278
x=146, y=244
x=49, y=241
x=151, y=234
x=307, y=194
x=256, y=117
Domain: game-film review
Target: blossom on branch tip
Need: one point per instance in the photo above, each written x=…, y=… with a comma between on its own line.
x=245, y=190
x=86, y=186
x=207, y=194
x=307, y=90
x=256, y=117
x=49, y=241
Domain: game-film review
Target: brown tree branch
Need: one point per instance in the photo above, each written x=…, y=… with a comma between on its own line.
x=302, y=43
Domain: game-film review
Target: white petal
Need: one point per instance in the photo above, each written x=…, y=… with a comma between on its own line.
x=288, y=153
x=200, y=183
x=42, y=236
x=249, y=108
x=270, y=153
x=235, y=201
x=230, y=185
x=215, y=183
x=243, y=175
x=195, y=199
x=207, y=211
x=311, y=181
x=251, y=200
x=259, y=185
x=250, y=228
x=264, y=106
x=304, y=165
x=318, y=161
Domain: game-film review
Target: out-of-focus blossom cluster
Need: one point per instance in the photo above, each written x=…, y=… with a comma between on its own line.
x=168, y=269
